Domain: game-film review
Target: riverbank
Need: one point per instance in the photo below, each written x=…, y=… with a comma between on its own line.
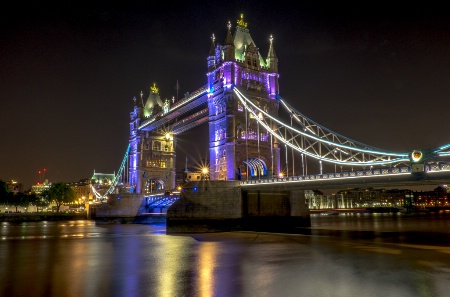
x=40, y=216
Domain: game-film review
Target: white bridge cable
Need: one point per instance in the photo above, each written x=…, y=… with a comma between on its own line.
x=116, y=177
x=319, y=146
x=312, y=126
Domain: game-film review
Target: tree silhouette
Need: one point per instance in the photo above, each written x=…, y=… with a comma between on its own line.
x=60, y=193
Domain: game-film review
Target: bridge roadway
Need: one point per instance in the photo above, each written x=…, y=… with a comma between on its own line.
x=392, y=177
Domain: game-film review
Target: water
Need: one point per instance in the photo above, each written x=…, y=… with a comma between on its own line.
x=341, y=255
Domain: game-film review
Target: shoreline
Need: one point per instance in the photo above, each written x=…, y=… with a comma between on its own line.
x=38, y=217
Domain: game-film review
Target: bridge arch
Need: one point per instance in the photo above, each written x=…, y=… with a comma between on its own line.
x=256, y=167
x=153, y=185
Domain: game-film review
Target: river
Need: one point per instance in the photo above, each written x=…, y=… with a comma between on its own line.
x=344, y=255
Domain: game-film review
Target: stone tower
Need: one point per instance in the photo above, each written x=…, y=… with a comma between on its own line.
x=152, y=153
x=239, y=148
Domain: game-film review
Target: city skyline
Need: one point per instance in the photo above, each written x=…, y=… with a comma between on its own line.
x=69, y=75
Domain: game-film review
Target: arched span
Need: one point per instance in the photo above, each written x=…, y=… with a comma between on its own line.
x=256, y=166
x=153, y=185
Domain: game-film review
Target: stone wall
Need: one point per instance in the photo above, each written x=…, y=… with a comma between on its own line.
x=120, y=208
x=211, y=206
x=208, y=199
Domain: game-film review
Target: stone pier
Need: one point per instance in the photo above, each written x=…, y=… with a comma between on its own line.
x=212, y=206
x=123, y=208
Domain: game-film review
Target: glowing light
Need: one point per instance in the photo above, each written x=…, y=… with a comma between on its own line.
x=153, y=88
x=416, y=156
x=205, y=170
x=245, y=102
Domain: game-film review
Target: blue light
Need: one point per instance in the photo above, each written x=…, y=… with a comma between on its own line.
x=118, y=198
x=195, y=189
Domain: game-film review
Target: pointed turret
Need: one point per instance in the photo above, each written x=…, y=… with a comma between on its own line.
x=272, y=60
x=153, y=103
x=229, y=48
x=212, y=54
x=138, y=110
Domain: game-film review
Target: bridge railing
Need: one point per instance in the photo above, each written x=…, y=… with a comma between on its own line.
x=336, y=175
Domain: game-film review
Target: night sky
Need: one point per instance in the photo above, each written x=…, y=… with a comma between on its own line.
x=375, y=73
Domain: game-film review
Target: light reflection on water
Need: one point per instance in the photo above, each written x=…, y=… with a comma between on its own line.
x=342, y=255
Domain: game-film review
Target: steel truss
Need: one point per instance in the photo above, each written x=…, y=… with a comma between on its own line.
x=316, y=141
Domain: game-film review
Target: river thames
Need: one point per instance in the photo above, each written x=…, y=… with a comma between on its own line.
x=341, y=255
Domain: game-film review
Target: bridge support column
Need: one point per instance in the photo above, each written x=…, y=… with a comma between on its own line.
x=213, y=206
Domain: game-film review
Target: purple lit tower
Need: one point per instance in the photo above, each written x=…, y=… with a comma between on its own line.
x=152, y=153
x=235, y=150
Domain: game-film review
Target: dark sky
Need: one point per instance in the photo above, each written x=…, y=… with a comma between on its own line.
x=374, y=72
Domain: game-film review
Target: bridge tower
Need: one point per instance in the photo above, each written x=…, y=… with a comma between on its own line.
x=239, y=148
x=152, y=153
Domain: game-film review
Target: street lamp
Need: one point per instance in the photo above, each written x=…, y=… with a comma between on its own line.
x=205, y=172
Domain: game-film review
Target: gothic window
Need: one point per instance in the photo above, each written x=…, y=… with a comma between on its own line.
x=156, y=145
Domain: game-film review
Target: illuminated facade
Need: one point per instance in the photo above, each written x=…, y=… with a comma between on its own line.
x=14, y=186
x=40, y=187
x=152, y=153
x=239, y=148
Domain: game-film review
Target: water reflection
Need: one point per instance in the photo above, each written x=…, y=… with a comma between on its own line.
x=207, y=264
x=358, y=255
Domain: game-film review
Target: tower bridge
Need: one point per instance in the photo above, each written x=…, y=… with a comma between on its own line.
x=248, y=140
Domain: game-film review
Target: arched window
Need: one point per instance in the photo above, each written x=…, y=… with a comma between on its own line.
x=156, y=145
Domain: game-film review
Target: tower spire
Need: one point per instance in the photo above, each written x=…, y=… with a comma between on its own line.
x=229, y=38
x=229, y=45
x=212, y=54
x=272, y=60
x=241, y=22
x=212, y=49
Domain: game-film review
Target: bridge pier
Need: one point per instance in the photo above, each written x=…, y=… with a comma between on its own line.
x=124, y=208
x=214, y=206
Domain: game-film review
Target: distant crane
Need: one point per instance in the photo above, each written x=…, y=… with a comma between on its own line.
x=41, y=175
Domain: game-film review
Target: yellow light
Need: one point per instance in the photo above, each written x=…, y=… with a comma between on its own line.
x=280, y=175
x=167, y=136
x=204, y=170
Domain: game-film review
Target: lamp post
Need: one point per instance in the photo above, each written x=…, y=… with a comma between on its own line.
x=205, y=173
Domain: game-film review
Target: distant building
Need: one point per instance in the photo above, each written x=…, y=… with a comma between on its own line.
x=14, y=186
x=40, y=187
x=192, y=174
x=369, y=197
x=82, y=189
x=439, y=197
